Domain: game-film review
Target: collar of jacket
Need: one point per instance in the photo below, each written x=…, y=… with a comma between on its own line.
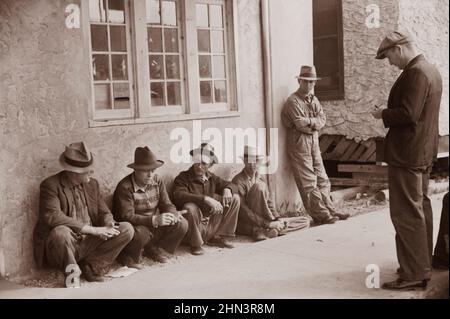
x=303, y=95
x=67, y=182
x=194, y=177
x=418, y=58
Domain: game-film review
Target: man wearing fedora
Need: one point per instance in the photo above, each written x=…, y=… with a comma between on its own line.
x=212, y=203
x=303, y=116
x=141, y=199
x=411, y=144
x=258, y=217
x=75, y=227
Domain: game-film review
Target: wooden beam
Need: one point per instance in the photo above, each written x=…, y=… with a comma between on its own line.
x=356, y=182
x=361, y=168
x=350, y=150
x=367, y=154
x=325, y=142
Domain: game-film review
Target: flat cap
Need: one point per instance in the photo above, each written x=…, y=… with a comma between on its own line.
x=391, y=40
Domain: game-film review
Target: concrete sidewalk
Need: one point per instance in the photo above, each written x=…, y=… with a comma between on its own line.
x=328, y=261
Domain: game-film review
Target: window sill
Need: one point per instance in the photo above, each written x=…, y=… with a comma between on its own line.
x=163, y=118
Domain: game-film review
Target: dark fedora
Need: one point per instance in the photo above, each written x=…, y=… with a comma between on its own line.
x=308, y=72
x=205, y=149
x=391, y=40
x=145, y=159
x=76, y=158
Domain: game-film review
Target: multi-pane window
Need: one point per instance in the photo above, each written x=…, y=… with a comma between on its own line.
x=211, y=53
x=164, y=52
x=110, y=48
x=328, y=48
x=157, y=57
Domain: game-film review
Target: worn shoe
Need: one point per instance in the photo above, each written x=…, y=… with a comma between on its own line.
x=89, y=274
x=329, y=220
x=134, y=265
x=155, y=254
x=271, y=232
x=401, y=284
x=341, y=216
x=220, y=242
x=197, y=251
x=259, y=235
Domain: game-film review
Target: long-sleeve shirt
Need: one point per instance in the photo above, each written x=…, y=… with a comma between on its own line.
x=187, y=187
x=244, y=183
x=296, y=107
x=138, y=205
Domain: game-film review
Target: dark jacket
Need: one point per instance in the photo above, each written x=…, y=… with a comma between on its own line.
x=123, y=203
x=187, y=188
x=412, y=116
x=56, y=203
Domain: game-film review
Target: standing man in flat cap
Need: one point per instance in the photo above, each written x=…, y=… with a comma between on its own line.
x=141, y=199
x=302, y=114
x=411, y=145
x=75, y=227
x=212, y=203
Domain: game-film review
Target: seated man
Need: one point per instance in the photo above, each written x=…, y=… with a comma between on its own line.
x=141, y=199
x=211, y=202
x=75, y=227
x=257, y=215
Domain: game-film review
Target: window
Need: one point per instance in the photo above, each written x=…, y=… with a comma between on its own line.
x=328, y=48
x=154, y=58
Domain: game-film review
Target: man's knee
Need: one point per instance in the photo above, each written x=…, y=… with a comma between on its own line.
x=259, y=187
x=61, y=234
x=126, y=230
x=235, y=199
x=181, y=227
x=192, y=213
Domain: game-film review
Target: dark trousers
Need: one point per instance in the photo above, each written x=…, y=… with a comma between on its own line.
x=203, y=226
x=412, y=216
x=63, y=247
x=166, y=237
x=440, y=257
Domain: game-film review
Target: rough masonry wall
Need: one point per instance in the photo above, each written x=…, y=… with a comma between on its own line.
x=367, y=80
x=44, y=92
x=428, y=22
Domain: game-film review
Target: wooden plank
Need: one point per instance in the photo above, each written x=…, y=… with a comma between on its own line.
x=359, y=151
x=367, y=154
x=325, y=142
x=339, y=150
x=361, y=168
x=350, y=150
x=370, y=176
x=355, y=182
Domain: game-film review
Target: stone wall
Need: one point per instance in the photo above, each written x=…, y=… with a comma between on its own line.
x=44, y=92
x=367, y=80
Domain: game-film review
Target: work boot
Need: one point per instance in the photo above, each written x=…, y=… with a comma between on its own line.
x=89, y=274
x=258, y=234
x=197, y=251
x=271, y=232
x=341, y=216
x=329, y=220
x=220, y=242
x=156, y=254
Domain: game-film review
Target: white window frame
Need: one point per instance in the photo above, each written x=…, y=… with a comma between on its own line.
x=141, y=111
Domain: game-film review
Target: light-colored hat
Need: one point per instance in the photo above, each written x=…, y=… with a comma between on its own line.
x=252, y=153
x=308, y=72
x=391, y=40
x=76, y=158
x=205, y=149
x=145, y=159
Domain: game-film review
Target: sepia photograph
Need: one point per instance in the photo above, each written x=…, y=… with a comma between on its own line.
x=224, y=155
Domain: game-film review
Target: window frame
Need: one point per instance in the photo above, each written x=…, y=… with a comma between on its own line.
x=339, y=93
x=138, y=54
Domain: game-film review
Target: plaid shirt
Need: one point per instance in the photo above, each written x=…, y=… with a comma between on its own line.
x=137, y=205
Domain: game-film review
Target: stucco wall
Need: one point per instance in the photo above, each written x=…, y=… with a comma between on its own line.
x=428, y=22
x=367, y=80
x=44, y=85
x=291, y=46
